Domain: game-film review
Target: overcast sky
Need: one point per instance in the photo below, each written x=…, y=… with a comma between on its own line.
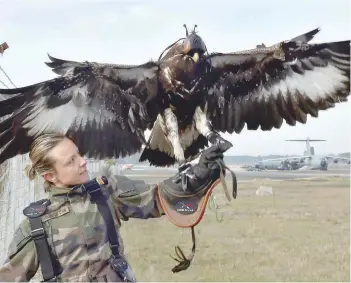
x=133, y=32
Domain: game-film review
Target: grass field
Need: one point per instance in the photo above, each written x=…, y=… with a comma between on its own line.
x=300, y=233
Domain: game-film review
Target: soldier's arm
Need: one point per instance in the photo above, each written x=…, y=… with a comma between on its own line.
x=134, y=198
x=21, y=263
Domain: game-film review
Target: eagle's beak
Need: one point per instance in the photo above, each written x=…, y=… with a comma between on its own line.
x=196, y=57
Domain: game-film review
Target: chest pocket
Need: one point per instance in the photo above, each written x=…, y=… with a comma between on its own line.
x=95, y=228
x=92, y=226
x=66, y=235
x=62, y=211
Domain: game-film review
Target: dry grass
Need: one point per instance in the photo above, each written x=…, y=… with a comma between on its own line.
x=301, y=233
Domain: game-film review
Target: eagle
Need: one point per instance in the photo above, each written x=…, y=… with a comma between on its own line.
x=186, y=98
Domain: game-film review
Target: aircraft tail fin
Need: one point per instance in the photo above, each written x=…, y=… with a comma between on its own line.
x=309, y=149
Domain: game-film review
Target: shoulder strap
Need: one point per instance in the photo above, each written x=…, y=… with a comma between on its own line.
x=33, y=212
x=93, y=187
x=117, y=262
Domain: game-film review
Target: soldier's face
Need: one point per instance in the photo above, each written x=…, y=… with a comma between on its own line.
x=70, y=166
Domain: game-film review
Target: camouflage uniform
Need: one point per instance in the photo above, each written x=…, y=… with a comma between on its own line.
x=76, y=232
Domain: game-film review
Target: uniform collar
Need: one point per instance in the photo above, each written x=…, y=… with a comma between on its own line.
x=67, y=194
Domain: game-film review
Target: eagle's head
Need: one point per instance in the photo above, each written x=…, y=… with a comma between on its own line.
x=193, y=45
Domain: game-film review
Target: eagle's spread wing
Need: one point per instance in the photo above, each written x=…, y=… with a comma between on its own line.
x=100, y=106
x=305, y=37
x=261, y=87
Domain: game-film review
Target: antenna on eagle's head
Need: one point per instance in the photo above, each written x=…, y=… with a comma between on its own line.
x=186, y=29
x=195, y=26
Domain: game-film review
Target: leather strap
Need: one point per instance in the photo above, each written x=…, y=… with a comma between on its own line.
x=33, y=212
x=94, y=190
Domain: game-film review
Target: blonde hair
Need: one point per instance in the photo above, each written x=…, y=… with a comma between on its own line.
x=39, y=155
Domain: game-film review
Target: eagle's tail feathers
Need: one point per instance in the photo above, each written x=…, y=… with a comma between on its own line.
x=158, y=158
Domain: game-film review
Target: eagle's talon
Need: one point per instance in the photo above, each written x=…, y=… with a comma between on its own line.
x=216, y=139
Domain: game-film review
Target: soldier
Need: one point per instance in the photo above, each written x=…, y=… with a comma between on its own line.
x=79, y=242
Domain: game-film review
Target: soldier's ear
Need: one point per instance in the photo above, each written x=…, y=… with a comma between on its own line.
x=50, y=176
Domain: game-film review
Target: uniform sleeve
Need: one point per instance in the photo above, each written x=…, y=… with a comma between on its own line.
x=134, y=198
x=21, y=263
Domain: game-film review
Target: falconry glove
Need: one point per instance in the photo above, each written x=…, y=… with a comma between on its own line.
x=184, y=196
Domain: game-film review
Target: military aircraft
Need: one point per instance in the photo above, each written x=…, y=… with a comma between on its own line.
x=308, y=160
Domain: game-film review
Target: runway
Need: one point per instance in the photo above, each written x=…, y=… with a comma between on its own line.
x=154, y=175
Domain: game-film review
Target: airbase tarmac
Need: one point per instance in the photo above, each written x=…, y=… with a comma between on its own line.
x=300, y=232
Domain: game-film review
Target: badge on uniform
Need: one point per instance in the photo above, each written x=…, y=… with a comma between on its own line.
x=36, y=209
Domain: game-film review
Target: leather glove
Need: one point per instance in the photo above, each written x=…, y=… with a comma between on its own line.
x=206, y=171
x=199, y=177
